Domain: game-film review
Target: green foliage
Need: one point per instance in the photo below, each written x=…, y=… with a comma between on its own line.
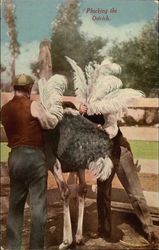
x=66, y=40
x=139, y=60
x=35, y=68
x=2, y=68
x=14, y=46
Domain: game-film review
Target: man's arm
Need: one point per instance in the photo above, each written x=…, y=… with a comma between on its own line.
x=47, y=120
x=74, y=102
x=110, y=122
x=110, y=125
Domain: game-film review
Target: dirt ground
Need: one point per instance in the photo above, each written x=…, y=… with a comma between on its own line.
x=126, y=229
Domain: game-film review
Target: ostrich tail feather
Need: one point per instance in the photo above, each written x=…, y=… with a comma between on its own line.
x=101, y=168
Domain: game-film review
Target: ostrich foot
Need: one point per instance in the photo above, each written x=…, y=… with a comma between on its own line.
x=79, y=239
x=65, y=245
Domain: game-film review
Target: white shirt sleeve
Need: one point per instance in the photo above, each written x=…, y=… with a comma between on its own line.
x=110, y=125
x=47, y=120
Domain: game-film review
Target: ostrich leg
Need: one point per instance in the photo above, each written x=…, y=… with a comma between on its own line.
x=57, y=172
x=67, y=228
x=81, y=198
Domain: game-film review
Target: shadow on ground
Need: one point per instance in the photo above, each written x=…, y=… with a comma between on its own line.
x=126, y=229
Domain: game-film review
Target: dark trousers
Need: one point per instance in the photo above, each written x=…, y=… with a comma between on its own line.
x=104, y=205
x=27, y=175
x=104, y=191
x=128, y=177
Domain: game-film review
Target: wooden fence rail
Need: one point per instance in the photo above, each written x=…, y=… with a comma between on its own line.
x=141, y=103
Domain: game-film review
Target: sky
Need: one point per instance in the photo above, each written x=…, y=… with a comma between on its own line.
x=120, y=21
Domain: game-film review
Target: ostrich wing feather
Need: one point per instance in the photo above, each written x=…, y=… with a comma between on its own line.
x=116, y=101
x=80, y=84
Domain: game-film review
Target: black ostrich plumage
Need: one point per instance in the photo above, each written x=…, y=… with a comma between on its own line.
x=76, y=142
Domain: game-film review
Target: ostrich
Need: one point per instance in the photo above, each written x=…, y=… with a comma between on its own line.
x=72, y=146
x=76, y=144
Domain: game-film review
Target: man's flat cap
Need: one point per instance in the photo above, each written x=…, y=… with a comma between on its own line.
x=22, y=80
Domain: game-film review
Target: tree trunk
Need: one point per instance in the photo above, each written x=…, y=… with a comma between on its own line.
x=45, y=63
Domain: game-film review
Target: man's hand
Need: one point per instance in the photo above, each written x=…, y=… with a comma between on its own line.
x=83, y=109
x=99, y=126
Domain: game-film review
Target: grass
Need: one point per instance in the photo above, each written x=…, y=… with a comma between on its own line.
x=145, y=149
x=4, y=151
x=141, y=150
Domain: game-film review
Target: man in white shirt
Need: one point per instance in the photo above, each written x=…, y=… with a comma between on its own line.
x=125, y=169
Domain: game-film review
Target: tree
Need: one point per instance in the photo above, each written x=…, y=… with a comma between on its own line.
x=14, y=45
x=66, y=40
x=2, y=68
x=139, y=60
x=156, y=19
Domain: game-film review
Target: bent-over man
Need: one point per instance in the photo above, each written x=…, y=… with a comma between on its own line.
x=125, y=169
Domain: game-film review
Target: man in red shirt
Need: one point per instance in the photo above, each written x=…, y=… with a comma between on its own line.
x=23, y=121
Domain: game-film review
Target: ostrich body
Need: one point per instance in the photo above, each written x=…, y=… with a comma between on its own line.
x=76, y=142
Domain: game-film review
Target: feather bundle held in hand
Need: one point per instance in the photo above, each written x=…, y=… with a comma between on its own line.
x=115, y=101
x=102, y=93
x=104, y=86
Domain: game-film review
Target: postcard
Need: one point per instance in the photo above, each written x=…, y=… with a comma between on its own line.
x=86, y=60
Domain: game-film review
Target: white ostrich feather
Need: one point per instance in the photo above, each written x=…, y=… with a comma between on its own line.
x=71, y=111
x=104, y=85
x=101, y=169
x=103, y=94
x=115, y=101
x=109, y=68
x=89, y=69
x=93, y=79
x=104, y=80
x=80, y=84
x=51, y=92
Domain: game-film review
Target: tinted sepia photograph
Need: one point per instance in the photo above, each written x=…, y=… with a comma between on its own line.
x=79, y=124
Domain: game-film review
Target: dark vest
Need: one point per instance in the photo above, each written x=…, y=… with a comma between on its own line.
x=21, y=128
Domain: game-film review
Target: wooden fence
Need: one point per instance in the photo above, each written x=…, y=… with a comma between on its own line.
x=149, y=172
